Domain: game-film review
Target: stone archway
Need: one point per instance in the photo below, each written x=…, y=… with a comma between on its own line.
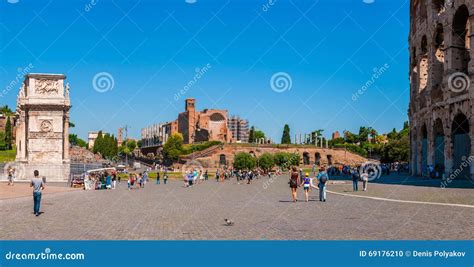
x=329, y=157
x=306, y=160
x=461, y=39
x=317, y=158
x=222, y=160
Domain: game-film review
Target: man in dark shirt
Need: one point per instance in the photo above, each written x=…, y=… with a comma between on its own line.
x=38, y=185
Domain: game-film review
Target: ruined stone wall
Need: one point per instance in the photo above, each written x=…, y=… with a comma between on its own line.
x=441, y=84
x=318, y=156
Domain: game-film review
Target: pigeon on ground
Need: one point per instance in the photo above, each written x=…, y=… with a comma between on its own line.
x=228, y=222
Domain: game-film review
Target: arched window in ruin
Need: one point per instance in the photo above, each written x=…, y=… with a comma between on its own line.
x=439, y=6
x=222, y=159
x=438, y=146
x=217, y=117
x=317, y=157
x=461, y=39
x=424, y=150
x=461, y=146
x=329, y=157
x=423, y=69
x=306, y=158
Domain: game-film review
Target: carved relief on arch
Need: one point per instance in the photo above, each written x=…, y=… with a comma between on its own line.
x=46, y=87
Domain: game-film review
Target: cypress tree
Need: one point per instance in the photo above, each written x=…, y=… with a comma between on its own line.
x=8, y=134
x=285, y=138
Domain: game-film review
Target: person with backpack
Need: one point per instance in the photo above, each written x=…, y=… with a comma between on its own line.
x=355, y=180
x=322, y=178
x=165, y=177
x=294, y=182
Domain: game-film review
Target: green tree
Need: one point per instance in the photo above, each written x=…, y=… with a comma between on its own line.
x=266, y=162
x=173, y=147
x=285, y=160
x=2, y=141
x=8, y=134
x=98, y=143
x=251, y=135
x=258, y=135
x=6, y=110
x=244, y=161
x=76, y=141
x=286, y=138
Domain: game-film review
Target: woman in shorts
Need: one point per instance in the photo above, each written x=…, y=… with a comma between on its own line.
x=294, y=182
x=306, y=185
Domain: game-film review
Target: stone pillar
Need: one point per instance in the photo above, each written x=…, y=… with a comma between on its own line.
x=430, y=143
x=66, y=138
x=448, y=151
x=419, y=159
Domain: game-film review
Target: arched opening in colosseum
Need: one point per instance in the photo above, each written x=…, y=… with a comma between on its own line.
x=461, y=39
x=423, y=64
x=461, y=147
x=438, y=146
x=329, y=157
x=306, y=158
x=317, y=157
x=438, y=66
x=222, y=160
x=438, y=6
x=424, y=150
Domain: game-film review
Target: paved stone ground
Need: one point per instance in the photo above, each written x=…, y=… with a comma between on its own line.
x=23, y=189
x=428, y=191
x=262, y=210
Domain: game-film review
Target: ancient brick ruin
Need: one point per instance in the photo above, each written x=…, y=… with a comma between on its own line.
x=441, y=87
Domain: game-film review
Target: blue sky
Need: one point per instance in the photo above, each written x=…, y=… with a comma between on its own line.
x=152, y=49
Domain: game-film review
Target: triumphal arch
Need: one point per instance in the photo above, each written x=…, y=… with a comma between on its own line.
x=42, y=133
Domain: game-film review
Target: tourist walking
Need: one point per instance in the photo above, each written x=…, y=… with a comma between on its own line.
x=206, y=176
x=114, y=180
x=38, y=185
x=365, y=180
x=294, y=182
x=158, y=178
x=165, y=177
x=306, y=185
x=355, y=180
x=11, y=171
x=108, y=184
x=322, y=178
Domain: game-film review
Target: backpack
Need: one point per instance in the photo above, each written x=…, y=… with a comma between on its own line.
x=324, y=178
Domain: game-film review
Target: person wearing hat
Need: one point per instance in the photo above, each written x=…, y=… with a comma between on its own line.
x=306, y=185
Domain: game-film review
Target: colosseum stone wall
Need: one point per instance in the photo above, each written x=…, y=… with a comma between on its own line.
x=442, y=87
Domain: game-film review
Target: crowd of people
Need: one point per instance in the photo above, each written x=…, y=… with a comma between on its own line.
x=100, y=180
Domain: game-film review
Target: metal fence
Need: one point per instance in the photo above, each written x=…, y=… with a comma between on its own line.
x=80, y=168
